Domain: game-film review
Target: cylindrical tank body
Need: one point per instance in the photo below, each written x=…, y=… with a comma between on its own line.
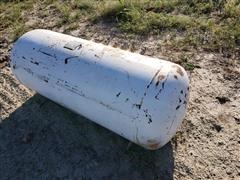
x=140, y=98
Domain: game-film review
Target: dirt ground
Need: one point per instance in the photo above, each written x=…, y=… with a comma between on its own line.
x=42, y=140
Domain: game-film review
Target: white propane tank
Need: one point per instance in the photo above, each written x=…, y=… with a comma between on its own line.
x=141, y=98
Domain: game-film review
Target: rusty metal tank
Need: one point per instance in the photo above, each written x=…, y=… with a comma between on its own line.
x=143, y=99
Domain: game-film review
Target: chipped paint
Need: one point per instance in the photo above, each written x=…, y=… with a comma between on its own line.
x=178, y=70
x=74, y=45
x=154, y=146
x=68, y=58
x=162, y=87
x=118, y=94
x=141, y=98
x=35, y=62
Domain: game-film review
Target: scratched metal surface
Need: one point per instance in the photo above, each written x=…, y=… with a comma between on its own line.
x=140, y=98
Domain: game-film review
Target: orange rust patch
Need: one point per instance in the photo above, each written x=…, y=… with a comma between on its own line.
x=154, y=145
x=161, y=77
x=179, y=70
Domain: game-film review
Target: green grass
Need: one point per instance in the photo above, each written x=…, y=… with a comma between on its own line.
x=211, y=25
x=12, y=16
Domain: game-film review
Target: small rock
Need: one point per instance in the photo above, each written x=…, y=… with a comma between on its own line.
x=222, y=99
x=143, y=50
x=217, y=127
x=3, y=58
x=237, y=120
x=220, y=143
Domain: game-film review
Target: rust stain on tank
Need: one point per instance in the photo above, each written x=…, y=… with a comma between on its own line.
x=159, y=79
x=154, y=146
x=179, y=70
